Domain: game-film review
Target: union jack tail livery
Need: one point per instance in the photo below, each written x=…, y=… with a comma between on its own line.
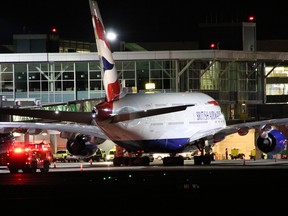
x=108, y=69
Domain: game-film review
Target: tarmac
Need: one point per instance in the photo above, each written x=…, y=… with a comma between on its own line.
x=228, y=187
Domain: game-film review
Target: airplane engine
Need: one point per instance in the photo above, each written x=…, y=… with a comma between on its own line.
x=272, y=142
x=83, y=145
x=243, y=131
x=218, y=137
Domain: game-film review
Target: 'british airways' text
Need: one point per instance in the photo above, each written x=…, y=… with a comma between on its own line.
x=207, y=115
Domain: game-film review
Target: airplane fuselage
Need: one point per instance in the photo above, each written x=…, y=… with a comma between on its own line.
x=169, y=132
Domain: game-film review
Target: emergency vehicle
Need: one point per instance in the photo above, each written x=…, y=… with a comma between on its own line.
x=29, y=157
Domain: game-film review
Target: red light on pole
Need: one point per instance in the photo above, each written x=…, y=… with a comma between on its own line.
x=212, y=45
x=54, y=30
x=251, y=18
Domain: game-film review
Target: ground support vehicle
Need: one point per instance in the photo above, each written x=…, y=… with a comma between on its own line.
x=99, y=155
x=253, y=154
x=64, y=156
x=111, y=154
x=124, y=158
x=235, y=154
x=29, y=158
x=72, y=158
x=61, y=155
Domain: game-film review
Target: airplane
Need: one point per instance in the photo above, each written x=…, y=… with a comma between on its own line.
x=151, y=123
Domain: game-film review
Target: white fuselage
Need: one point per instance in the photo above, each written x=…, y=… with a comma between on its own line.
x=176, y=128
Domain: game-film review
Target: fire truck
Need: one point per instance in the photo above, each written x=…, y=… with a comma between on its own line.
x=29, y=157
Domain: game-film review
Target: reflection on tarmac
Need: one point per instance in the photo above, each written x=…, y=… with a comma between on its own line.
x=83, y=186
x=157, y=165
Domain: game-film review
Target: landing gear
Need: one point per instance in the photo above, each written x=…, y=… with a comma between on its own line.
x=202, y=159
x=205, y=157
x=173, y=161
x=124, y=158
x=131, y=161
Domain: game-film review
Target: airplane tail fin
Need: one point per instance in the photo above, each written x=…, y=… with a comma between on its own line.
x=108, y=69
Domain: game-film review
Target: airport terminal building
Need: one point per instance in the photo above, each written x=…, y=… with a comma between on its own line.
x=239, y=80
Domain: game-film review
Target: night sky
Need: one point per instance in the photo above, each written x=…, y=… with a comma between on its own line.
x=138, y=21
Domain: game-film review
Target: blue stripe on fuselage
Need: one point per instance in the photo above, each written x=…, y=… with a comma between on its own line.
x=164, y=145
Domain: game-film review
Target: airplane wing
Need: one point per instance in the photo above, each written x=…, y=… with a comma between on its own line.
x=82, y=121
x=90, y=130
x=270, y=139
x=80, y=128
x=258, y=125
x=241, y=129
x=87, y=117
x=80, y=117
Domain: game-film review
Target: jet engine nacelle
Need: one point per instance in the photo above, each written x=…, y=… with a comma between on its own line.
x=273, y=142
x=83, y=145
x=218, y=137
x=243, y=131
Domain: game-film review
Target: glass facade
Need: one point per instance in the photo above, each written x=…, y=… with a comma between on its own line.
x=66, y=81
x=277, y=80
x=67, y=77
